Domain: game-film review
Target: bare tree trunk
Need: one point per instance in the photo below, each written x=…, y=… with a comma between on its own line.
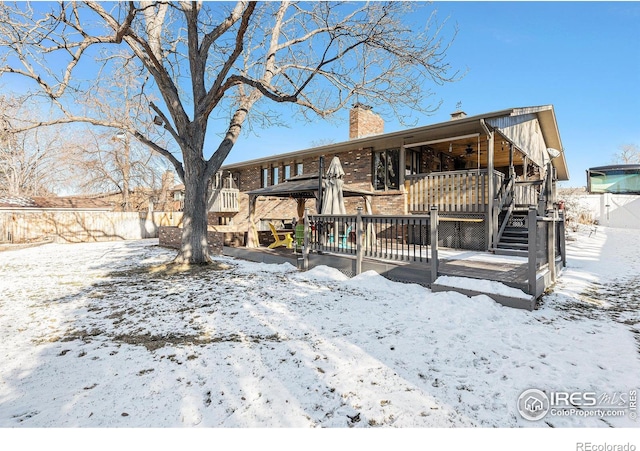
x=194, y=248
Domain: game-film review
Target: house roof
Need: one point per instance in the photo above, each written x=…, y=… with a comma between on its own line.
x=303, y=187
x=617, y=167
x=53, y=203
x=470, y=124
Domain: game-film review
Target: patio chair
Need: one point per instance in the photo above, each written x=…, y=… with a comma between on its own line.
x=299, y=237
x=285, y=241
x=344, y=239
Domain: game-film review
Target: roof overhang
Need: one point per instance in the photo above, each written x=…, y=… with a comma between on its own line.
x=303, y=188
x=469, y=125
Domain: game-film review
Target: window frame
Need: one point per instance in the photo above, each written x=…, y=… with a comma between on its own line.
x=375, y=169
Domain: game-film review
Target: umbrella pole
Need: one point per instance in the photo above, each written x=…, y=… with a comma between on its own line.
x=320, y=174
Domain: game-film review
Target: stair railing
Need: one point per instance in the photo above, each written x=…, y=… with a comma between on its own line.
x=503, y=197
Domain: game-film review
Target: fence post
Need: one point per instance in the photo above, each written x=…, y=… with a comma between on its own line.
x=305, y=248
x=532, y=248
x=359, y=241
x=433, y=222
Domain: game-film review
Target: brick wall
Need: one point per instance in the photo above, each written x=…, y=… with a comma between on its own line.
x=172, y=237
x=356, y=164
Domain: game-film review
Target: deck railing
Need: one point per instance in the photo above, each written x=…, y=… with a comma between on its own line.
x=415, y=238
x=527, y=192
x=397, y=238
x=224, y=200
x=454, y=191
x=546, y=244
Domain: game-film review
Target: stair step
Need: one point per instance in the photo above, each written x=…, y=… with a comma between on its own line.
x=511, y=252
x=517, y=246
x=524, y=239
x=518, y=230
x=514, y=239
x=524, y=235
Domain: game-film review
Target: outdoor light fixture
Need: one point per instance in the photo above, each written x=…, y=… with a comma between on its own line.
x=469, y=149
x=450, y=147
x=158, y=120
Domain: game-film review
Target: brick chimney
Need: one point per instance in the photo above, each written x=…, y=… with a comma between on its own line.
x=458, y=114
x=364, y=122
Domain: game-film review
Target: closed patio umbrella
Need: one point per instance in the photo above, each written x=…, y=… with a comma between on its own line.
x=332, y=199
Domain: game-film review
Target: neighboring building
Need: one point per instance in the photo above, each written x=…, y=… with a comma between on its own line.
x=487, y=169
x=616, y=179
x=53, y=203
x=614, y=195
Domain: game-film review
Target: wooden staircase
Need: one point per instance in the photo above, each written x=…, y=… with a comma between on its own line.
x=515, y=237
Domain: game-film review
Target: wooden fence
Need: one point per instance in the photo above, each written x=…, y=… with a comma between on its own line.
x=81, y=226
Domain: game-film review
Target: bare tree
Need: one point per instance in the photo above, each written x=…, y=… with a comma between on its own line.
x=108, y=162
x=629, y=154
x=233, y=59
x=31, y=162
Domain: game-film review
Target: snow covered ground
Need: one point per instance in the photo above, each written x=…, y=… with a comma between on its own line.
x=104, y=335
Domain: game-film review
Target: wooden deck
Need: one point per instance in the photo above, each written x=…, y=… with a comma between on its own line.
x=511, y=271
x=511, y=274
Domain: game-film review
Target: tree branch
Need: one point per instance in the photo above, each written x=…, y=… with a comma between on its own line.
x=216, y=92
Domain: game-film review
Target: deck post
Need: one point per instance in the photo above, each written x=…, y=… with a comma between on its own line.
x=433, y=223
x=252, y=233
x=492, y=221
x=305, y=249
x=561, y=235
x=359, y=241
x=532, y=249
x=551, y=245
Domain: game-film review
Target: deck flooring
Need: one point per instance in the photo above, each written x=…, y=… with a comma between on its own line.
x=508, y=273
x=511, y=272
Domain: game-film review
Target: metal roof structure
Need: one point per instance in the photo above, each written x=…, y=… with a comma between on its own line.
x=617, y=167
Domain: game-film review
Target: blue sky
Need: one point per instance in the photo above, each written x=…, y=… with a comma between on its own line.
x=582, y=57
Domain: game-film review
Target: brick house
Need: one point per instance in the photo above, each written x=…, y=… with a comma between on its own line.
x=487, y=168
